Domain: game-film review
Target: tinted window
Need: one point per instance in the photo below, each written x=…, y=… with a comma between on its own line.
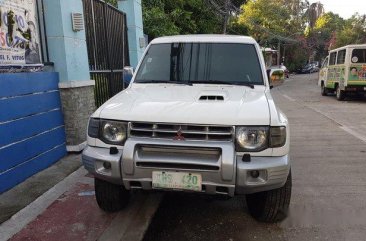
x=332, y=59
x=341, y=57
x=358, y=56
x=229, y=62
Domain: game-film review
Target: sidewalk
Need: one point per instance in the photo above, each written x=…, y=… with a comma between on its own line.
x=68, y=211
x=26, y=192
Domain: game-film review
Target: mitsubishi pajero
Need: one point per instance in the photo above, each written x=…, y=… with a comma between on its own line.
x=197, y=116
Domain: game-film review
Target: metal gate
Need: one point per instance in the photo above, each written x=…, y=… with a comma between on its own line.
x=106, y=37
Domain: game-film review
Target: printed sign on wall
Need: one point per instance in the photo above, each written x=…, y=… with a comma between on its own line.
x=19, y=38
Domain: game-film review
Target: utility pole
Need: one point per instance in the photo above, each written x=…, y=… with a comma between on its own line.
x=226, y=16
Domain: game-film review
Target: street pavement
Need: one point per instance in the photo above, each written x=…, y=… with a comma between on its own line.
x=328, y=140
x=328, y=153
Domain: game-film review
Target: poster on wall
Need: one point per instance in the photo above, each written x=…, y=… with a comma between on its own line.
x=19, y=37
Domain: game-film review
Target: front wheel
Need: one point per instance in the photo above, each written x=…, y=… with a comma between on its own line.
x=110, y=197
x=339, y=93
x=271, y=206
x=324, y=90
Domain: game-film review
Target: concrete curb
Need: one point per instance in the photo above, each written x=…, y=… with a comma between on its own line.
x=132, y=223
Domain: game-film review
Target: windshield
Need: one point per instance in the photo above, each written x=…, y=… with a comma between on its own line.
x=224, y=63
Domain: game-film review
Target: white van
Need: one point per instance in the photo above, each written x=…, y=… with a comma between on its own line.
x=343, y=71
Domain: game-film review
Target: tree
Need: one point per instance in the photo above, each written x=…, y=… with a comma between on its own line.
x=275, y=23
x=112, y=2
x=166, y=17
x=324, y=29
x=353, y=31
x=314, y=11
x=228, y=11
x=273, y=19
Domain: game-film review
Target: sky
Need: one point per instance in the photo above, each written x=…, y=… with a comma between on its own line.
x=344, y=8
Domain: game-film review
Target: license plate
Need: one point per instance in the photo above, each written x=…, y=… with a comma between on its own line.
x=177, y=180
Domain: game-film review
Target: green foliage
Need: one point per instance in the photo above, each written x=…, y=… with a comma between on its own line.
x=324, y=29
x=262, y=17
x=329, y=22
x=166, y=17
x=269, y=19
x=236, y=28
x=112, y=2
x=156, y=24
x=353, y=31
x=295, y=58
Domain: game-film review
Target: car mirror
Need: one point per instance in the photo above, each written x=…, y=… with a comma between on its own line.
x=127, y=74
x=276, y=77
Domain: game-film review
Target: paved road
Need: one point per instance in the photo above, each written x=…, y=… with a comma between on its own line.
x=328, y=151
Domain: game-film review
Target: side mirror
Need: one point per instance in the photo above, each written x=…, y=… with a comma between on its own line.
x=127, y=74
x=276, y=77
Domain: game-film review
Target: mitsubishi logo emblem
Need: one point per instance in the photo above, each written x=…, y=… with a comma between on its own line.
x=179, y=136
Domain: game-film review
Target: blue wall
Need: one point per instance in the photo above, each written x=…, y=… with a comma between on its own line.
x=32, y=135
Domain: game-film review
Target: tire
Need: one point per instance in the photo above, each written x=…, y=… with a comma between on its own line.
x=340, y=95
x=324, y=90
x=110, y=197
x=270, y=206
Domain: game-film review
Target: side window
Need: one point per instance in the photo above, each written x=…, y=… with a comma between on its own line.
x=358, y=56
x=332, y=59
x=325, y=63
x=341, y=57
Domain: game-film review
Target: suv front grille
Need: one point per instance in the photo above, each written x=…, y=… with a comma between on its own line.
x=179, y=131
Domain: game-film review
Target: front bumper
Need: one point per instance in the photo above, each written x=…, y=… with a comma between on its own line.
x=222, y=170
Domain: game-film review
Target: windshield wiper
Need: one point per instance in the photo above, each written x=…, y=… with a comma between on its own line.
x=162, y=81
x=222, y=82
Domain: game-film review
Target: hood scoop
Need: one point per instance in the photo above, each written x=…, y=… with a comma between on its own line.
x=212, y=97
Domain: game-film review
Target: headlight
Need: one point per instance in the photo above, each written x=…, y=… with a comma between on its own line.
x=113, y=132
x=110, y=132
x=251, y=138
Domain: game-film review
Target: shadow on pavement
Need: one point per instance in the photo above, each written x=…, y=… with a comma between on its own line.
x=183, y=216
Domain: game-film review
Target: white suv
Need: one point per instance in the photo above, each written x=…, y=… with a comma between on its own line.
x=197, y=116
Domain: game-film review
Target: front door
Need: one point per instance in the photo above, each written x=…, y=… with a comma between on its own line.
x=323, y=72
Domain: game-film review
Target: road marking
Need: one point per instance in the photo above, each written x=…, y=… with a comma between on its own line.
x=340, y=125
x=324, y=114
x=289, y=98
x=353, y=133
